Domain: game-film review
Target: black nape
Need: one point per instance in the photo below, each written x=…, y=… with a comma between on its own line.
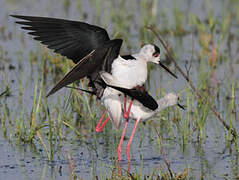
x=156, y=49
x=128, y=57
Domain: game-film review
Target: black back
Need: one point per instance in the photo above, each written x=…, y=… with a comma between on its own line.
x=128, y=57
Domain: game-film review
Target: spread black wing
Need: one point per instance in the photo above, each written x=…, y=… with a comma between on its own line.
x=143, y=97
x=72, y=39
x=87, y=45
x=98, y=60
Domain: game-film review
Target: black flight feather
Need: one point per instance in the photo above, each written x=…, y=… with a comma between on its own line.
x=89, y=46
x=60, y=34
x=143, y=97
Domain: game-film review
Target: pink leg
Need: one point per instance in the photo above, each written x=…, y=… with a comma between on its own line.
x=126, y=114
x=121, y=140
x=100, y=127
x=131, y=138
x=130, y=105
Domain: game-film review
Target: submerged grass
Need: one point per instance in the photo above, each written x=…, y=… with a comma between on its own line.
x=56, y=123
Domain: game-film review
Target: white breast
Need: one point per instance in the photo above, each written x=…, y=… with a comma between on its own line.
x=130, y=72
x=112, y=104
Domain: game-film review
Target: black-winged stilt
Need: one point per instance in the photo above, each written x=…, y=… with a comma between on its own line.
x=138, y=110
x=90, y=47
x=141, y=113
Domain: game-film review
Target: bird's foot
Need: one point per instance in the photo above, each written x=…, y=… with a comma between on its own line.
x=100, y=127
x=126, y=115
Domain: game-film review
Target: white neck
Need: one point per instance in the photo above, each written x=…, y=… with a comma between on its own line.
x=166, y=102
x=141, y=56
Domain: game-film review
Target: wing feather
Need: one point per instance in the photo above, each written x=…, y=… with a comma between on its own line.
x=60, y=34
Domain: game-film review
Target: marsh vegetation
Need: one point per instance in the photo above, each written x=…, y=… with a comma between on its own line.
x=54, y=138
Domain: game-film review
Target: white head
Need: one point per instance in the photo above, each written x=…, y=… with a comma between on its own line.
x=171, y=99
x=168, y=100
x=151, y=53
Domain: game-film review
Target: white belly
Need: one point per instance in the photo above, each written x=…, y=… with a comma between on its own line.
x=129, y=72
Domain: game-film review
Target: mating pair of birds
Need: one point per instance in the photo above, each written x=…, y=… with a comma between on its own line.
x=118, y=81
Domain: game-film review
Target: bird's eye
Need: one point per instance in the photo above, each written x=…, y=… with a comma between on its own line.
x=155, y=54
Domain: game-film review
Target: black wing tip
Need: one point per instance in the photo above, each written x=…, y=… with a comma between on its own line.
x=14, y=15
x=49, y=93
x=23, y=19
x=149, y=102
x=154, y=107
x=19, y=16
x=52, y=91
x=31, y=18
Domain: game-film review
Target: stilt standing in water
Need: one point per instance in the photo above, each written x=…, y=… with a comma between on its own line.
x=92, y=50
x=138, y=111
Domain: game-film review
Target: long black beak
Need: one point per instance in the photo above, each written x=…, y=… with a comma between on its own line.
x=181, y=106
x=166, y=68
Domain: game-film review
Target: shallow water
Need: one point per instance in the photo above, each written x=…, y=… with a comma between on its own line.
x=95, y=155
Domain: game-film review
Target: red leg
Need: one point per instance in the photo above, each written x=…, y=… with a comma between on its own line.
x=100, y=127
x=121, y=140
x=126, y=114
x=130, y=105
x=131, y=138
